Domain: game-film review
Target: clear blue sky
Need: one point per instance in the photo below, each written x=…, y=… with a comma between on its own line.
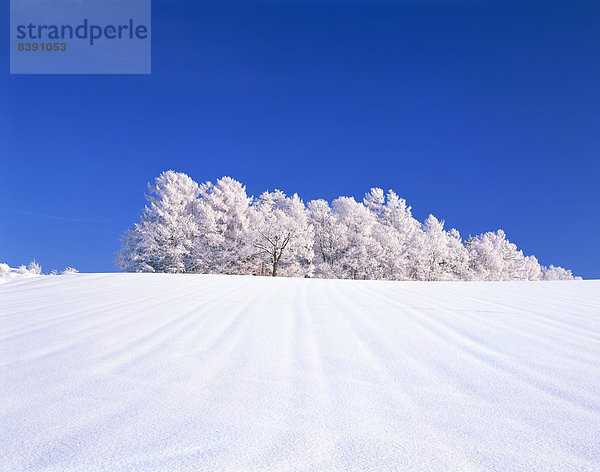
x=484, y=113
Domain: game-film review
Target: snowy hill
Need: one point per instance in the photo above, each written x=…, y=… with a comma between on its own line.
x=191, y=372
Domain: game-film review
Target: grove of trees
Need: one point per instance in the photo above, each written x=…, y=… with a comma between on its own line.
x=219, y=229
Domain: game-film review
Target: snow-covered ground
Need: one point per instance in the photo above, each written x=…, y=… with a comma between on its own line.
x=8, y=273
x=188, y=372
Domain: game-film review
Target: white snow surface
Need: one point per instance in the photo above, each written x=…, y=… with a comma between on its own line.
x=12, y=274
x=192, y=372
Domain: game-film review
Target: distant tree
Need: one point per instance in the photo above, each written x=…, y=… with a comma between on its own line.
x=458, y=264
x=163, y=239
x=224, y=244
x=531, y=269
x=493, y=257
x=396, y=234
x=358, y=253
x=433, y=262
x=282, y=235
x=329, y=239
x=556, y=273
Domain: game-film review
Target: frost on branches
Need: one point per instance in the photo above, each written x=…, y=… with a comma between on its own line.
x=219, y=229
x=163, y=240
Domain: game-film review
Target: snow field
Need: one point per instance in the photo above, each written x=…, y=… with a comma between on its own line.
x=192, y=372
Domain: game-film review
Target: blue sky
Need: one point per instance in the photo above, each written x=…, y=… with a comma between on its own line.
x=483, y=113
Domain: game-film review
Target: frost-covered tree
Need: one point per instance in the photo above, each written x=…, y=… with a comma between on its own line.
x=374, y=200
x=394, y=233
x=327, y=238
x=434, y=252
x=224, y=244
x=164, y=238
x=531, y=270
x=458, y=264
x=358, y=253
x=282, y=235
x=556, y=273
x=493, y=257
x=398, y=215
x=132, y=256
x=34, y=268
x=350, y=240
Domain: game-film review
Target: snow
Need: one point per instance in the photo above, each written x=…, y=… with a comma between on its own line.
x=201, y=372
x=8, y=273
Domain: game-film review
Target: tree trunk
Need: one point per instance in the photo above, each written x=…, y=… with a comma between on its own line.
x=275, y=262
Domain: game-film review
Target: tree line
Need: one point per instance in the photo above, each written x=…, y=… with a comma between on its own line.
x=219, y=229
